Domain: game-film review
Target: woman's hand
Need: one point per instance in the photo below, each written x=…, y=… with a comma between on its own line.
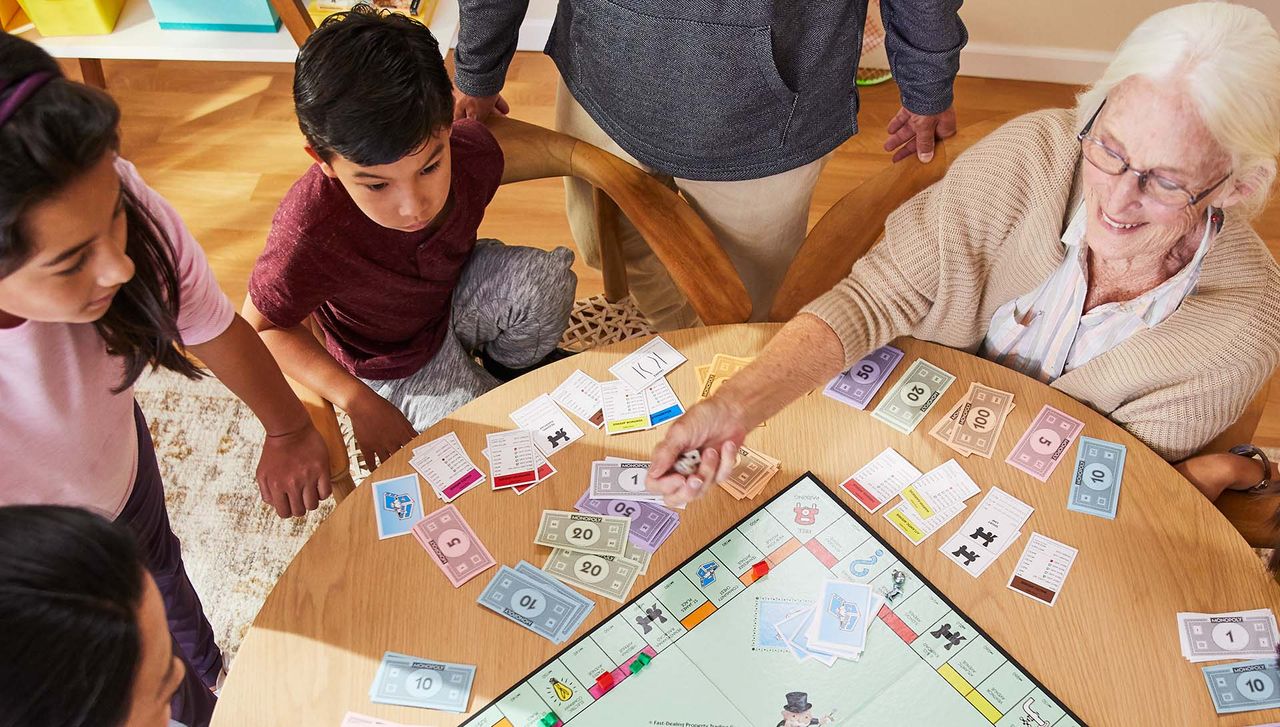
x=293, y=471
x=380, y=428
x=715, y=428
x=1213, y=474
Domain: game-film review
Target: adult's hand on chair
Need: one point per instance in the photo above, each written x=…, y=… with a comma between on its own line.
x=380, y=428
x=713, y=427
x=911, y=133
x=478, y=107
x=293, y=472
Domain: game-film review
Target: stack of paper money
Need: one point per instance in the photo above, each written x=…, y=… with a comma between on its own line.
x=974, y=424
x=1233, y=635
x=1244, y=686
x=412, y=681
x=651, y=523
x=752, y=472
x=834, y=627
x=913, y=396
x=712, y=376
x=590, y=551
x=859, y=384
x=527, y=596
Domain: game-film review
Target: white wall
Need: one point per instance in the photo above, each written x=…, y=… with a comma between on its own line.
x=1068, y=41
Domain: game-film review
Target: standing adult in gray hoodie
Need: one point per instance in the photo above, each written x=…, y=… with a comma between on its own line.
x=737, y=103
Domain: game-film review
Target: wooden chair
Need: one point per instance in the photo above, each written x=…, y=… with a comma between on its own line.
x=1253, y=515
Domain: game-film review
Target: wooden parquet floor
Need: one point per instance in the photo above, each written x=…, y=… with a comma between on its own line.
x=220, y=141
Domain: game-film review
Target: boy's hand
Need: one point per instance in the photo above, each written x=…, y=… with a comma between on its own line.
x=714, y=429
x=380, y=428
x=478, y=107
x=293, y=472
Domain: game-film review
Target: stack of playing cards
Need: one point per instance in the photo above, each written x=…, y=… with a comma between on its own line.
x=515, y=462
x=881, y=479
x=974, y=424
x=1244, y=686
x=1233, y=635
x=752, y=472
x=835, y=627
x=991, y=528
x=913, y=396
x=932, y=501
x=1042, y=569
x=397, y=505
x=453, y=545
x=1045, y=443
x=1095, y=486
x=411, y=681
x=641, y=397
x=651, y=523
x=446, y=467
x=858, y=386
x=527, y=596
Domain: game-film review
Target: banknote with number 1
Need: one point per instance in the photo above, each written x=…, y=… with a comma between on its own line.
x=1045, y=443
x=857, y=386
x=1095, y=488
x=913, y=396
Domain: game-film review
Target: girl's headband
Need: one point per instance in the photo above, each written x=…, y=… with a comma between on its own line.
x=17, y=93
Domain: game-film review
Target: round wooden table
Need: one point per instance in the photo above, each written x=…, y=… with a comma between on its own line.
x=1108, y=649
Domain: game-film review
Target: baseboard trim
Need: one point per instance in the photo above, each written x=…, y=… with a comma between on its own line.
x=1033, y=63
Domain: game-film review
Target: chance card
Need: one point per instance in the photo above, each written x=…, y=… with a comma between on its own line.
x=397, y=505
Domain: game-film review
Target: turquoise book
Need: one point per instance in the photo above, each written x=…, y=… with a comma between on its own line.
x=250, y=16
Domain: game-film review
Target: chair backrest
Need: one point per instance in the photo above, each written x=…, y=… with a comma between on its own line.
x=856, y=222
x=678, y=236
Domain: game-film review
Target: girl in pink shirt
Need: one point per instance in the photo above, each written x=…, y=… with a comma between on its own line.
x=99, y=279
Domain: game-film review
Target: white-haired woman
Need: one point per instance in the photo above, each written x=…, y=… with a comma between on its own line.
x=1104, y=250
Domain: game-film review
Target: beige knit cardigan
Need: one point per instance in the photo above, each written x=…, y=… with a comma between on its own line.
x=990, y=231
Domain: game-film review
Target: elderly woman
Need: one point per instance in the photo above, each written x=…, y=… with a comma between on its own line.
x=1105, y=251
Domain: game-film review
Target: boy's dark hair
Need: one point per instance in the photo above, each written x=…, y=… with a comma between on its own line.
x=370, y=85
x=70, y=587
x=56, y=135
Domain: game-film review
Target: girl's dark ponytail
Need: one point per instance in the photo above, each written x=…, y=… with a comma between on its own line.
x=56, y=135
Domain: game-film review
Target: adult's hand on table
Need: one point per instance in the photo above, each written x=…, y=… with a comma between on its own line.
x=380, y=428
x=911, y=133
x=293, y=471
x=478, y=107
x=715, y=428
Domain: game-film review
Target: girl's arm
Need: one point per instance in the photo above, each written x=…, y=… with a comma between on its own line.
x=293, y=472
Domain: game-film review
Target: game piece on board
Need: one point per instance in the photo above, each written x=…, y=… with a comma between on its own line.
x=881, y=479
x=1244, y=686
x=911, y=398
x=1044, y=443
x=580, y=394
x=1042, y=569
x=549, y=720
x=397, y=505
x=412, y=681
x=858, y=385
x=687, y=463
x=453, y=545
x=1095, y=485
x=625, y=410
x=583, y=532
x=605, y=681
x=1233, y=635
x=446, y=466
x=760, y=569
x=646, y=365
x=554, y=429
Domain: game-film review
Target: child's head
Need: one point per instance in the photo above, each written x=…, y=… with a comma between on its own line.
x=75, y=246
x=86, y=642
x=375, y=104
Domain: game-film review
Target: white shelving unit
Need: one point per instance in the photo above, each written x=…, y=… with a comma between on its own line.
x=138, y=36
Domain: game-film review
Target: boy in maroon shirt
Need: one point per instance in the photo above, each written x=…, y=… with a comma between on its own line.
x=377, y=241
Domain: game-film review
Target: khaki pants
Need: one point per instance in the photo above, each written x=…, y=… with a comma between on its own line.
x=760, y=223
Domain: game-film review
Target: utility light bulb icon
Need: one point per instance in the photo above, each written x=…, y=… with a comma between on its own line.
x=562, y=690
